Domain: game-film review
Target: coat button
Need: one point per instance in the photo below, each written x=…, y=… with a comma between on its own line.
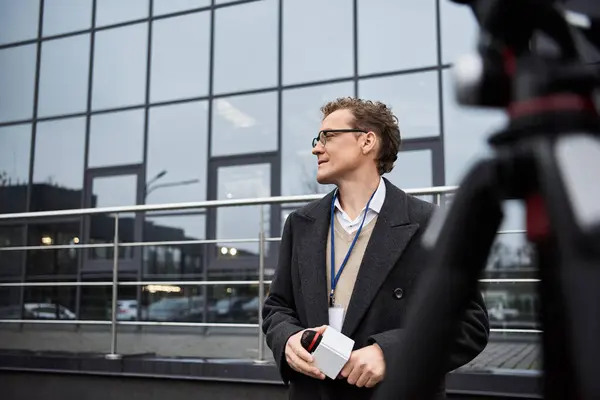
x=399, y=293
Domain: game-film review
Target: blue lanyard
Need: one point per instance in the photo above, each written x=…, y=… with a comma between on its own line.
x=335, y=277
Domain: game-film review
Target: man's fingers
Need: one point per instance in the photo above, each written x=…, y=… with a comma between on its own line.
x=321, y=329
x=302, y=353
x=372, y=382
x=364, y=378
x=302, y=366
x=355, y=374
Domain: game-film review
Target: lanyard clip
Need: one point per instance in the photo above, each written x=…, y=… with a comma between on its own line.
x=331, y=298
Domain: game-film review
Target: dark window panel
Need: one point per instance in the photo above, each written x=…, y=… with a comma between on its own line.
x=413, y=99
x=301, y=123
x=58, y=165
x=54, y=264
x=244, y=124
x=110, y=12
x=116, y=138
x=322, y=53
x=18, y=21
x=177, y=153
x=64, y=76
x=11, y=262
x=17, y=80
x=10, y=303
x=180, y=57
x=396, y=34
x=15, y=142
x=171, y=6
x=246, y=48
x=50, y=303
x=120, y=56
x=62, y=16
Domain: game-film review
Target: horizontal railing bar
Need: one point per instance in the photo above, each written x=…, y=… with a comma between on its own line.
x=131, y=323
x=186, y=242
x=183, y=324
x=187, y=324
x=201, y=204
x=59, y=247
x=204, y=283
x=54, y=321
x=133, y=283
x=511, y=231
x=509, y=280
x=516, y=330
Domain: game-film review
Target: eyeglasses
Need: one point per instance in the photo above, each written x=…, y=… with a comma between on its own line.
x=327, y=133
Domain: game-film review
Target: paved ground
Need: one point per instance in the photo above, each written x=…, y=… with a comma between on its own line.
x=505, y=353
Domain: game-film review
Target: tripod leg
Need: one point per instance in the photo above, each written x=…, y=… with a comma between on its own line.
x=450, y=281
x=569, y=264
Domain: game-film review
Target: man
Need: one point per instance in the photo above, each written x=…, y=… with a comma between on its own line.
x=376, y=256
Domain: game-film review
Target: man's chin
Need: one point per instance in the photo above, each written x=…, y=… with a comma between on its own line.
x=324, y=179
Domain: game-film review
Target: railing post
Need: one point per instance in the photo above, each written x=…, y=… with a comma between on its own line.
x=115, y=286
x=438, y=199
x=261, y=283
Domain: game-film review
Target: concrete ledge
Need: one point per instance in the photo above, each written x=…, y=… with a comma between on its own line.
x=492, y=382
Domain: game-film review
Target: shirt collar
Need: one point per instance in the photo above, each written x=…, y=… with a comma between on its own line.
x=376, y=202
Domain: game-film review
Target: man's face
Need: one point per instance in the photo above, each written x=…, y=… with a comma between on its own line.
x=341, y=153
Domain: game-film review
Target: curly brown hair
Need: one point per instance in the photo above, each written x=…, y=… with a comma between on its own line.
x=372, y=116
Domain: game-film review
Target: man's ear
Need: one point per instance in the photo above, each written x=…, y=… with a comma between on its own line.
x=370, y=142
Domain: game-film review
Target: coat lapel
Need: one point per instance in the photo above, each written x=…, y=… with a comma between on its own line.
x=390, y=236
x=311, y=260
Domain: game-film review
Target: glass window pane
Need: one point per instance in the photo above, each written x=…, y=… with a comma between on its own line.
x=114, y=191
x=170, y=6
x=173, y=261
x=120, y=66
x=177, y=142
x=110, y=12
x=459, y=30
x=413, y=98
x=412, y=170
x=466, y=130
x=241, y=182
x=301, y=123
x=61, y=16
x=64, y=76
x=396, y=34
x=53, y=262
x=180, y=57
x=244, y=124
x=58, y=164
x=246, y=46
x=322, y=53
x=116, y=138
x=11, y=261
x=18, y=20
x=15, y=142
x=17, y=80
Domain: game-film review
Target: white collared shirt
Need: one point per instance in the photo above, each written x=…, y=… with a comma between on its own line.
x=374, y=208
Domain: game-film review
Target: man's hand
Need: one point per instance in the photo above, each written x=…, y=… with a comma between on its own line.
x=299, y=359
x=366, y=367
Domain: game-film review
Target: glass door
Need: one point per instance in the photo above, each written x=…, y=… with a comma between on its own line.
x=113, y=187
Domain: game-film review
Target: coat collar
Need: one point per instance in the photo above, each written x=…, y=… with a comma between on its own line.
x=391, y=235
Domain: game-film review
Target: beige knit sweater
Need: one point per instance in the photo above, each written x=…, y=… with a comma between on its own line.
x=343, y=240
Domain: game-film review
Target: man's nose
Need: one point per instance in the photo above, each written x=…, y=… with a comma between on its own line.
x=318, y=149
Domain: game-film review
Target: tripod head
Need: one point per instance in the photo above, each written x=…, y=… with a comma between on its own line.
x=509, y=68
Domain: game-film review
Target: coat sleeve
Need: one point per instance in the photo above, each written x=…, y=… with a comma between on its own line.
x=280, y=319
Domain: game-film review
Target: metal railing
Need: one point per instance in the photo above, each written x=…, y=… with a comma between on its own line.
x=437, y=192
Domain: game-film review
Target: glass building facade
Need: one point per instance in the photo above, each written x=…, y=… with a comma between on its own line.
x=116, y=103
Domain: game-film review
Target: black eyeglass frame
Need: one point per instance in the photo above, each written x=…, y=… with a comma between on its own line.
x=326, y=134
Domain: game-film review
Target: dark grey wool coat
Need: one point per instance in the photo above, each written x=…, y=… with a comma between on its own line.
x=392, y=262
